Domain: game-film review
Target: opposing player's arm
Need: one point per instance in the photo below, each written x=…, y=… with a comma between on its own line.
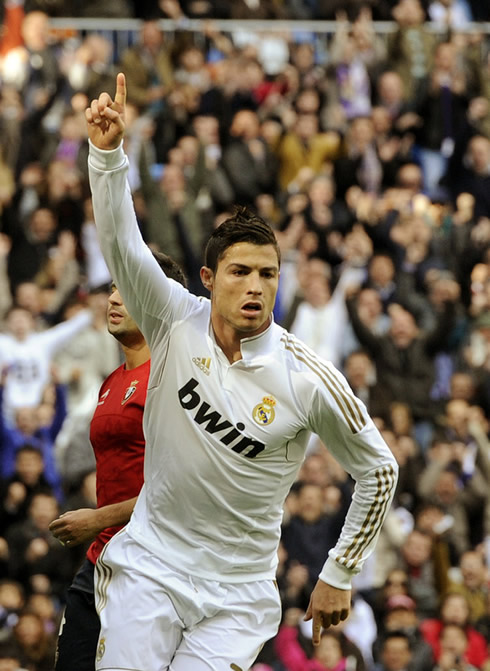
x=77, y=526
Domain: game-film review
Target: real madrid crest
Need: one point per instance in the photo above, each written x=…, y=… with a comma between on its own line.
x=264, y=412
x=101, y=649
x=129, y=391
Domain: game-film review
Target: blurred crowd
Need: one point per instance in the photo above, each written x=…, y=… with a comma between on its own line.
x=476, y=10
x=369, y=154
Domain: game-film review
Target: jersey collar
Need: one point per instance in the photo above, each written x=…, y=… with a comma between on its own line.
x=255, y=348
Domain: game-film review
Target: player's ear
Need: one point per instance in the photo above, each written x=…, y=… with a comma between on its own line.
x=207, y=277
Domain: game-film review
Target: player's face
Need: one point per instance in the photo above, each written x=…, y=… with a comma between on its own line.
x=120, y=324
x=244, y=287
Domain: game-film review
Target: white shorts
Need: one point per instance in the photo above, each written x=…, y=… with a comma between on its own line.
x=155, y=618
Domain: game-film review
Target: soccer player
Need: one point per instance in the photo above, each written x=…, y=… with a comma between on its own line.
x=116, y=434
x=232, y=399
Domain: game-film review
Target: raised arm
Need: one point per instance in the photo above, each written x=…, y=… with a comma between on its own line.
x=365, y=336
x=153, y=300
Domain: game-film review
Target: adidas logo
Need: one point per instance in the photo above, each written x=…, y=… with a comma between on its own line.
x=202, y=362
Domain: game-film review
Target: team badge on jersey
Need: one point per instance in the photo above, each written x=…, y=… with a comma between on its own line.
x=100, y=649
x=264, y=412
x=129, y=391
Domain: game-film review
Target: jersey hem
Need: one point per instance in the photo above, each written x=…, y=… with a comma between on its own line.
x=178, y=563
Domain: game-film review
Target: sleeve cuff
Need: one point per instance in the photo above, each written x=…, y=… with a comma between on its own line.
x=106, y=159
x=337, y=576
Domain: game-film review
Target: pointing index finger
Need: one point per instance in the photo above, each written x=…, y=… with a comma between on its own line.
x=317, y=629
x=120, y=98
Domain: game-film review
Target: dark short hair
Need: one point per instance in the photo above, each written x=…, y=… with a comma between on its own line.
x=243, y=226
x=170, y=267
x=397, y=633
x=27, y=448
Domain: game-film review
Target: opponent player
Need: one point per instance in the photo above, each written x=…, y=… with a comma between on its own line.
x=232, y=399
x=116, y=434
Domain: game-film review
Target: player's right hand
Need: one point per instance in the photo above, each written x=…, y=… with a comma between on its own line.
x=328, y=606
x=105, y=117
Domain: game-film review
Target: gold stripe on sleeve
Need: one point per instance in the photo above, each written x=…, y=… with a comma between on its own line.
x=345, y=400
x=377, y=521
x=360, y=534
x=373, y=520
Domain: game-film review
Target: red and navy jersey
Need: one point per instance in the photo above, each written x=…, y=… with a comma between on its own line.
x=116, y=434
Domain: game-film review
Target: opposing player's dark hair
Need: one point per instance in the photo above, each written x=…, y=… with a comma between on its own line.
x=170, y=267
x=243, y=226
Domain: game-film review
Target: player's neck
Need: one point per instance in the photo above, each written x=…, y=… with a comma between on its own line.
x=231, y=350
x=136, y=356
x=229, y=339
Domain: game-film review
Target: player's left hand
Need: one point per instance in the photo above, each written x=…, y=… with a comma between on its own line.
x=76, y=526
x=328, y=605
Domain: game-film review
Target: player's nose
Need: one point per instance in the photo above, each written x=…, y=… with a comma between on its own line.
x=254, y=283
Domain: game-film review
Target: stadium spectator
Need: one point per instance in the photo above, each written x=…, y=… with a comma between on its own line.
x=35, y=644
x=174, y=220
x=411, y=47
x=90, y=355
x=12, y=602
x=309, y=535
x=454, y=642
x=458, y=486
x=454, y=611
x=474, y=585
x=247, y=160
x=36, y=558
x=400, y=616
x=425, y=585
x=473, y=176
x=442, y=102
x=10, y=657
x=148, y=69
x=396, y=652
x=17, y=492
x=26, y=356
x=36, y=426
x=327, y=656
x=406, y=353
x=305, y=145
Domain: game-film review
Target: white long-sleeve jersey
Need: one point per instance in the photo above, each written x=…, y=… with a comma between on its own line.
x=224, y=442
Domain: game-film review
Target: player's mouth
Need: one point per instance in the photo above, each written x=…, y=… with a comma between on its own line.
x=115, y=317
x=251, y=309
